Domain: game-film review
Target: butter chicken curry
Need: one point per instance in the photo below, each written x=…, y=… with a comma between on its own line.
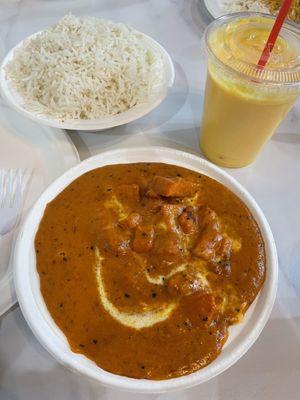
x=145, y=266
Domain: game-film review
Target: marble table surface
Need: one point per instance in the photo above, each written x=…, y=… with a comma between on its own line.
x=271, y=368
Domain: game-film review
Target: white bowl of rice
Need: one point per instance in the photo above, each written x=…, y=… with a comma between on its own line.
x=86, y=74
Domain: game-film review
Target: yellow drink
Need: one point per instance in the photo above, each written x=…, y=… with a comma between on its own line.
x=243, y=106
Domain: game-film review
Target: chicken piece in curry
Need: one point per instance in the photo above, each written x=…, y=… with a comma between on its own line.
x=145, y=266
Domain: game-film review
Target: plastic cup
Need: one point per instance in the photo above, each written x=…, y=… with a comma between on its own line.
x=244, y=105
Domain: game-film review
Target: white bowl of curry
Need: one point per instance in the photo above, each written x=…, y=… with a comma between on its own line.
x=146, y=269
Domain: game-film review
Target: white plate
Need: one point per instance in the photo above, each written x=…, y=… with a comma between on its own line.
x=46, y=151
x=241, y=337
x=18, y=103
x=215, y=7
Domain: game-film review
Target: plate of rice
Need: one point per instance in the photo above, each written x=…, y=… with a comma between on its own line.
x=220, y=7
x=86, y=74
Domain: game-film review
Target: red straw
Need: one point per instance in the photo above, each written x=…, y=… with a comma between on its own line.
x=274, y=34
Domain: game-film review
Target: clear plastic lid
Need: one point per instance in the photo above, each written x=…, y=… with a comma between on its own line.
x=237, y=41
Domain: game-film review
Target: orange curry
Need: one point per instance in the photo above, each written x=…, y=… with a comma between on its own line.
x=145, y=266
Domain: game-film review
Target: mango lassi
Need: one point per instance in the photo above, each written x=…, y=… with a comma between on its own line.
x=243, y=105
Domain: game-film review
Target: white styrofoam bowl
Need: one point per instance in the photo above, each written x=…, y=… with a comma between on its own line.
x=160, y=92
x=27, y=283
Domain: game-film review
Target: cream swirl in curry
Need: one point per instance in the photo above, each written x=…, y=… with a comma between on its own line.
x=145, y=266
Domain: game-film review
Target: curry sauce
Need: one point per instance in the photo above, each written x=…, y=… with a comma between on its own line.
x=145, y=266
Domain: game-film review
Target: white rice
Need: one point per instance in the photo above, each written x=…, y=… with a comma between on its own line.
x=85, y=69
x=245, y=5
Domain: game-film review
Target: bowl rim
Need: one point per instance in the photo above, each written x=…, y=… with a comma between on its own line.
x=15, y=100
x=49, y=335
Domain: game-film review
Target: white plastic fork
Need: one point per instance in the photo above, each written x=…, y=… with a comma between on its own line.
x=11, y=193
